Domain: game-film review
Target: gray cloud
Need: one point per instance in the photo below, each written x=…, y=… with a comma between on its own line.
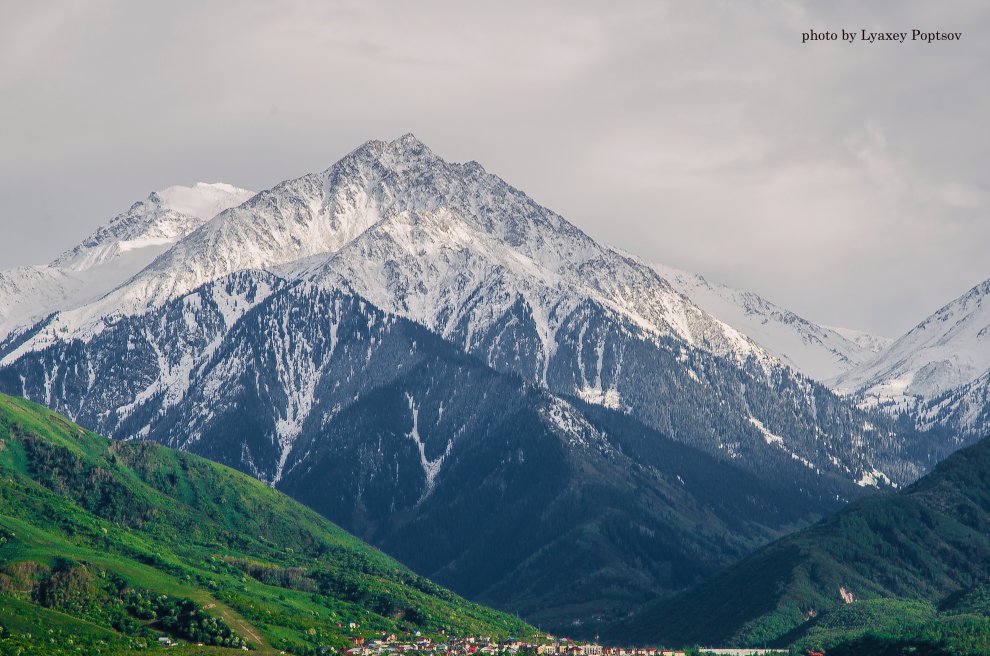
x=845, y=181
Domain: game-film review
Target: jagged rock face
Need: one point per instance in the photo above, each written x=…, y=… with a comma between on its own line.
x=386, y=201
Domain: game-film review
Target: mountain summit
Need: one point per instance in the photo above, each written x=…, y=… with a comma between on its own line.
x=159, y=221
x=314, y=215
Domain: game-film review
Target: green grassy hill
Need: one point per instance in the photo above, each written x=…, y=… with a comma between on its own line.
x=915, y=564
x=107, y=546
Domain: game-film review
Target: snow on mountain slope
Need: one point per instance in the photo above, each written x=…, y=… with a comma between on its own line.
x=962, y=415
x=946, y=351
x=483, y=265
x=819, y=352
x=112, y=254
x=458, y=233
x=203, y=200
x=31, y=292
x=417, y=201
x=486, y=267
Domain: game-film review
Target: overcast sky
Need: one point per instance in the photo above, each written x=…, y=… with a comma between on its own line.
x=847, y=182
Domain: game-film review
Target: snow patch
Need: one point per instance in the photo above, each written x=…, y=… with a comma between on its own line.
x=873, y=478
x=768, y=436
x=609, y=398
x=431, y=468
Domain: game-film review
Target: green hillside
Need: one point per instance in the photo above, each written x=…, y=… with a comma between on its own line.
x=914, y=563
x=105, y=547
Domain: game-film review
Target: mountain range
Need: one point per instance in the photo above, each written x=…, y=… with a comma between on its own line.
x=406, y=344
x=462, y=253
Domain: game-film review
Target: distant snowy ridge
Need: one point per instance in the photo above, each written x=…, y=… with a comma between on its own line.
x=112, y=254
x=159, y=221
x=874, y=344
x=817, y=351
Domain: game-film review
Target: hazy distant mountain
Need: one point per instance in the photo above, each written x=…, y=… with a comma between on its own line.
x=819, y=352
x=112, y=254
x=867, y=341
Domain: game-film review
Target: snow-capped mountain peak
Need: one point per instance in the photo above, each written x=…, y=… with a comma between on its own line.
x=112, y=254
x=315, y=214
x=154, y=223
x=453, y=219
